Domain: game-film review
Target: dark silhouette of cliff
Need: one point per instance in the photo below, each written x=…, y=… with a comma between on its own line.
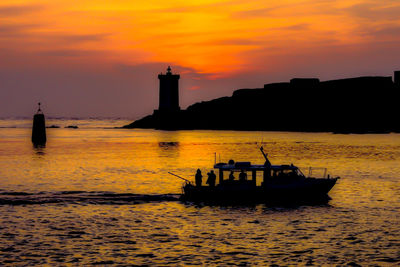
x=355, y=105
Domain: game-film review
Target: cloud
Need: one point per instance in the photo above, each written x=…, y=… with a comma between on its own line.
x=237, y=41
x=253, y=13
x=100, y=48
x=79, y=89
x=388, y=30
x=54, y=44
x=81, y=37
x=289, y=10
x=157, y=67
x=18, y=10
x=375, y=11
x=15, y=29
x=209, y=7
x=296, y=27
x=290, y=28
x=70, y=53
x=380, y=32
x=66, y=39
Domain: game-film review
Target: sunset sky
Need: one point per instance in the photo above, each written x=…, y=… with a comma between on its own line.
x=101, y=58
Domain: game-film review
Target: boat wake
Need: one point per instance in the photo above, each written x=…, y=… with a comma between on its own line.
x=81, y=197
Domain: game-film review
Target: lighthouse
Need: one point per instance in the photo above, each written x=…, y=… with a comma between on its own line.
x=169, y=92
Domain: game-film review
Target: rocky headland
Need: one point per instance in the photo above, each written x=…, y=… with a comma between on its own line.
x=354, y=105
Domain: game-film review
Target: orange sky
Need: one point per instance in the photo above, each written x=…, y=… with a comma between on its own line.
x=207, y=40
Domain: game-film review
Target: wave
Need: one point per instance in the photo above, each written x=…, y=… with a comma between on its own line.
x=81, y=197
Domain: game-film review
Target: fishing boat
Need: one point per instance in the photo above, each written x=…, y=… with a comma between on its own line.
x=279, y=183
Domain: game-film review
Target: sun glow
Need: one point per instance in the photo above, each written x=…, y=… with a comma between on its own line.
x=210, y=37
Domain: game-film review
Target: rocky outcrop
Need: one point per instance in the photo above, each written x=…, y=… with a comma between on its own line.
x=355, y=105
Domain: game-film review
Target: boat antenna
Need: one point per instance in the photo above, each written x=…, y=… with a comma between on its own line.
x=215, y=158
x=179, y=177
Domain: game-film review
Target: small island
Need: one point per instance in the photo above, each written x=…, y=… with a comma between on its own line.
x=354, y=105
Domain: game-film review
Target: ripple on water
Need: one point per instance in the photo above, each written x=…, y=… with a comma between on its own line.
x=59, y=207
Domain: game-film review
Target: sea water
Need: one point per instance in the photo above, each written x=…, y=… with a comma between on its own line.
x=101, y=195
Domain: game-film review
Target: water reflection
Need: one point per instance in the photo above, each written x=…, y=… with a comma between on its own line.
x=267, y=205
x=360, y=225
x=168, y=150
x=39, y=150
x=139, y=161
x=168, y=145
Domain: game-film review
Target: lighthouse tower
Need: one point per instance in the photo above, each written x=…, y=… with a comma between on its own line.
x=169, y=92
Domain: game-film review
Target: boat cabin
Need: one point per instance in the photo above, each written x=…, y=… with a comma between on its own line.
x=268, y=171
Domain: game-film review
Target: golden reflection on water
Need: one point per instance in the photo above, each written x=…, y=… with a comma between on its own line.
x=172, y=233
x=138, y=161
x=360, y=224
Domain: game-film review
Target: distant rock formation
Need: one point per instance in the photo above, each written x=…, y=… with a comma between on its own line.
x=355, y=105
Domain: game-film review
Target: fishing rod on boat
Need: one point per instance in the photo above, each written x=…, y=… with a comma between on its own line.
x=179, y=177
x=267, y=162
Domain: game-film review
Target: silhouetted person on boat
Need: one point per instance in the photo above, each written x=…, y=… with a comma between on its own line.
x=211, y=178
x=231, y=176
x=242, y=176
x=198, y=178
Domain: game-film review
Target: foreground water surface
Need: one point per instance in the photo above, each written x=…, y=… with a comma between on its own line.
x=98, y=195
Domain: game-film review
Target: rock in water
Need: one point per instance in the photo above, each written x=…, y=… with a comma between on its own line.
x=39, y=129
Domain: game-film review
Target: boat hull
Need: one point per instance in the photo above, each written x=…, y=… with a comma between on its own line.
x=305, y=189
